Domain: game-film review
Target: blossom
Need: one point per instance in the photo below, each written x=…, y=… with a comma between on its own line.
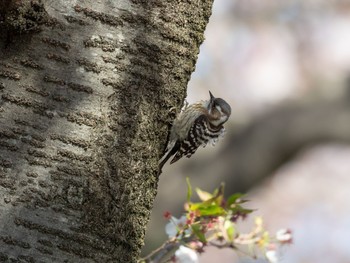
x=271, y=254
x=167, y=215
x=284, y=236
x=186, y=255
x=172, y=228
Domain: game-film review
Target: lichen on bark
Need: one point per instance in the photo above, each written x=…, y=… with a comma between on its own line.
x=85, y=115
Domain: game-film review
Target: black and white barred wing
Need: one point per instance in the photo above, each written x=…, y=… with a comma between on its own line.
x=200, y=134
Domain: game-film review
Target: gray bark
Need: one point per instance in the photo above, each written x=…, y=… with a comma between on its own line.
x=86, y=91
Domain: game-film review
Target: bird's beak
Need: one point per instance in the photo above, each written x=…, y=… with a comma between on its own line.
x=211, y=102
x=212, y=98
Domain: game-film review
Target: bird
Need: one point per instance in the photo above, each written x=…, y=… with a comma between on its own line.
x=197, y=125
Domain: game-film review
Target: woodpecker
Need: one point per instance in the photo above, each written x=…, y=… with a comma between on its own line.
x=197, y=125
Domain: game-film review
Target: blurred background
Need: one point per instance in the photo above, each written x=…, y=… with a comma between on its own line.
x=284, y=68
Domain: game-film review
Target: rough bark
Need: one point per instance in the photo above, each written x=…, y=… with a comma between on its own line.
x=87, y=89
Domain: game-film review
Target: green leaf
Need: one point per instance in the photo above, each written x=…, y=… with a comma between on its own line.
x=230, y=230
x=239, y=209
x=219, y=192
x=206, y=209
x=189, y=189
x=213, y=210
x=196, y=228
x=221, y=189
x=233, y=198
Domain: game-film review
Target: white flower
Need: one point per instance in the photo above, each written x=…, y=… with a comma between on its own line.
x=186, y=255
x=271, y=255
x=284, y=236
x=174, y=225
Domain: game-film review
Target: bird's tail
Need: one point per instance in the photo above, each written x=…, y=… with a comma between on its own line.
x=171, y=150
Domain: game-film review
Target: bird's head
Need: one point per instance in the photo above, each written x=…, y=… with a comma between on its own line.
x=219, y=110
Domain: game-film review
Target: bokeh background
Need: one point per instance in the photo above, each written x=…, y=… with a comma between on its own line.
x=284, y=68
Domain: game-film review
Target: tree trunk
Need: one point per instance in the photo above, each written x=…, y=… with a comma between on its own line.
x=87, y=89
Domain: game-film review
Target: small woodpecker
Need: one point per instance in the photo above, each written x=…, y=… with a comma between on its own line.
x=197, y=125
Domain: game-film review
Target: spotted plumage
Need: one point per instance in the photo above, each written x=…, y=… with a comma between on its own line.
x=197, y=125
